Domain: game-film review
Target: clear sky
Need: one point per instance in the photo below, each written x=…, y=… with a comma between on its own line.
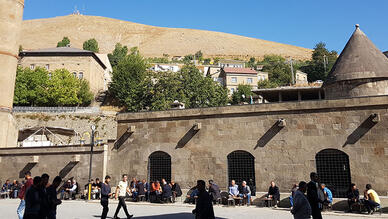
x=300, y=22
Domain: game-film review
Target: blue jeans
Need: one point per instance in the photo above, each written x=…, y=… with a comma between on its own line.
x=248, y=198
x=21, y=207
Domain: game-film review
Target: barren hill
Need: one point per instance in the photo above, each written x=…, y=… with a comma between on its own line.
x=152, y=41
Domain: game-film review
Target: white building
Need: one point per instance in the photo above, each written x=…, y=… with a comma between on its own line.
x=165, y=68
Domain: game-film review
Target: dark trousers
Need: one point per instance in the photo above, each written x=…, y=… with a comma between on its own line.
x=121, y=204
x=105, y=209
x=370, y=205
x=316, y=213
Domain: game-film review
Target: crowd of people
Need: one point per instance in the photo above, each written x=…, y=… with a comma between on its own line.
x=39, y=198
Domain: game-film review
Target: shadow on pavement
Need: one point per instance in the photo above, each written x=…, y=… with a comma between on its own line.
x=165, y=216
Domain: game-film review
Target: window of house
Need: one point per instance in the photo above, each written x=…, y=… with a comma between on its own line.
x=32, y=66
x=234, y=80
x=47, y=67
x=249, y=80
x=81, y=75
x=75, y=74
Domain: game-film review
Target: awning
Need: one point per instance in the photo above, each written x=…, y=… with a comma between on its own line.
x=27, y=132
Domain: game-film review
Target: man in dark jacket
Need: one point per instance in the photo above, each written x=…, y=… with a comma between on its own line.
x=105, y=194
x=204, y=207
x=52, y=198
x=312, y=196
x=176, y=190
x=166, y=190
x=353, y=196
x=33, y=200
x=214, y=191
x=273, y=192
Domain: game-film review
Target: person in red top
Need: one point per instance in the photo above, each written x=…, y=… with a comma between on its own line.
x=27, y=185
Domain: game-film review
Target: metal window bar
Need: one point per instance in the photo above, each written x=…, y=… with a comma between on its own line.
x=241, y=167
x=334, y=170
x=159, y=166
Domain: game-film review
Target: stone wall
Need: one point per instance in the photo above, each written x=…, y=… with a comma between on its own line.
x=65, y=161
x=105, y=124
x=285, y=155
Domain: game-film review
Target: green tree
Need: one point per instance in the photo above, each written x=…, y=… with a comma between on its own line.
x=64, y=42
x=30, y=87
x=198, y=55
x=20, y=48
x=84, y=94
x=118, y=54
x=63, y=89
x=266, y=84
x=91, y=45
x=251, y=63
x=216, y=60
x=321, y=57
x=201, y=91
x=188, y=58
x=129, y=84
x=243, y=94
x=207, y=61
x=279, y=71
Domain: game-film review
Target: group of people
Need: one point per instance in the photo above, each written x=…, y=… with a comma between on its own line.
x=10, y=190
x=318, y=195
x=38, y=198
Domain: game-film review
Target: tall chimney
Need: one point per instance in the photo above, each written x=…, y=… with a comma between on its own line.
x=11, y=15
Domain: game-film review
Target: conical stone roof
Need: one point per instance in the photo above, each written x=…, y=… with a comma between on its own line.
x=360, y=59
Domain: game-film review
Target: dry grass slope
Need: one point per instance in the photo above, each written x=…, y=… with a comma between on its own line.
x=152, y=41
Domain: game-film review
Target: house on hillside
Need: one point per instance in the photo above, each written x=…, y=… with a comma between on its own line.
x=232, y=77
x=300, y=77
x=83, y=64
x=224, y=63
x=165, y=68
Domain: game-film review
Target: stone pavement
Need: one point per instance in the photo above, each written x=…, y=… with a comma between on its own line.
x=92, y=210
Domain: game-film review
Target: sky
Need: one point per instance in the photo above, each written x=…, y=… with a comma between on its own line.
x=301, y=23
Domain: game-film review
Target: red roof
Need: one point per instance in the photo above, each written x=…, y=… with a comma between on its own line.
x=239, y=70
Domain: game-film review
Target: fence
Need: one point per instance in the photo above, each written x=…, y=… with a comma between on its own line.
x=27, y=109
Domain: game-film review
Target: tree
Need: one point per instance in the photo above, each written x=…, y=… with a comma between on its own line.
x=201, y=91
x=118, y=54
x=64, y=42
x=129, y=85
x=266, y=84
x=30, y=87
x=207, y=61
x=188, y=58
x=91, y=45
x=198, y=55
x=63, y=89
x=243, y=94
x=20, y=48
x=279, y=71
x=84, y=94
x=321, y=57
x=251, y=63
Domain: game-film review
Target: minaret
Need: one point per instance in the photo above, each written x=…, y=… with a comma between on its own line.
x=11, y=15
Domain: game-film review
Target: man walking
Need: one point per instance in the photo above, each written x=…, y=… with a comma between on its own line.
x=52, y=198
x=105, y=194
x=121, y=192
x=301, y=208
x=27, y=184
x=312, y=196
x=204, y=207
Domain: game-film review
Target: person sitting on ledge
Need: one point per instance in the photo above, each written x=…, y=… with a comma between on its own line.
x=328, y=195
x=166, y=191
x=233, y=190
x=176, y=190
x=371, y=200
x=273, y=192
x=214, y=191
x=353, y=196
x=246, y=192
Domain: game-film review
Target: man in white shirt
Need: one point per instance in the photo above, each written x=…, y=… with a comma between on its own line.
x=121, y=192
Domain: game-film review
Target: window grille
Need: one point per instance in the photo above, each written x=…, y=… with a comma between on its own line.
x=159, y=166
x=241, y=167
x=334, y=170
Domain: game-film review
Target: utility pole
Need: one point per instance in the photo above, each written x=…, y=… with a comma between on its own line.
x=90, y=162
x=292, y=72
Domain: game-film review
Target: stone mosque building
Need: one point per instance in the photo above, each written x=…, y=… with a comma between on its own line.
x=343, y=137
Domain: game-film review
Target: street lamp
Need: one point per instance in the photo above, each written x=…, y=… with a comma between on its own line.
x=91, y=160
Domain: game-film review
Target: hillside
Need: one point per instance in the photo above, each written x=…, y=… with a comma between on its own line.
x=152, y=41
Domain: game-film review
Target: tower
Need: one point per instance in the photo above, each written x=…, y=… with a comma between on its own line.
x=11, y=14
x=361, y=70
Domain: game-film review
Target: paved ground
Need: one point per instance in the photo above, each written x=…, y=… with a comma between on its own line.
x=92, y=210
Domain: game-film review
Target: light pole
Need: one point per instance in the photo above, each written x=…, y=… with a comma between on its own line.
x=91, y=160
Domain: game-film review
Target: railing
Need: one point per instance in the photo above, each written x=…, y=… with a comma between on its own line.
x=28, y=109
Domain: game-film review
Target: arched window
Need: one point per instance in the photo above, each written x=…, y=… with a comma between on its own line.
x=159, y=166
x=241, y=167
x=334, y=170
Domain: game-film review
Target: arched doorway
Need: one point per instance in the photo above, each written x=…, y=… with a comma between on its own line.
x=334, y=170
x=159, y=166
x=241, y=167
